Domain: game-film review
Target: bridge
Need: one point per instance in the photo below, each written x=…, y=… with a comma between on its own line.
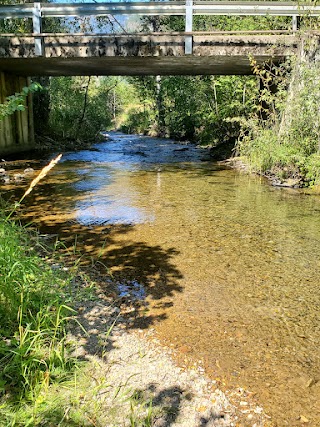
x=174, y=53
x=186, y=53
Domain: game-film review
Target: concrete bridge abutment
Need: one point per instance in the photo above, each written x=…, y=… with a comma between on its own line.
x=17, y=129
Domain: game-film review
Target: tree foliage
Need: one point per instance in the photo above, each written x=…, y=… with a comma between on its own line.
x=197, y=108
x=286, y=141
x=80, y=107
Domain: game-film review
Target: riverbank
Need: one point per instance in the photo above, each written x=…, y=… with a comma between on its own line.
x=239, y=163
x=115, y=377
x=46, y=144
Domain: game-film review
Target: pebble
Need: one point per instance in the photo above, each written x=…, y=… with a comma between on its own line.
x=2, y=171
x=18, y=177
x=5, y=179
x=310, y=382
x=29, y=170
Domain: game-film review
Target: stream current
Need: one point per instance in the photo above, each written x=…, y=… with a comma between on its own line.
x=229, y=266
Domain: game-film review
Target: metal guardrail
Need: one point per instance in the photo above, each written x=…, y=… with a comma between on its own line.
x=166, y=7
x=188, y=8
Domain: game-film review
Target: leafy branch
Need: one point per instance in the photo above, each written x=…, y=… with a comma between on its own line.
x=16, y=102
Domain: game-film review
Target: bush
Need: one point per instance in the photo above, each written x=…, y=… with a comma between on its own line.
x=139, y=121
x=311, y=169
x=79, y=108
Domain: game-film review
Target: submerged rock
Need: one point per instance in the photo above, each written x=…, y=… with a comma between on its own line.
x=29, y=170
x=289, y=183
x=181, y=149
x=18, y=176
x=4, y=179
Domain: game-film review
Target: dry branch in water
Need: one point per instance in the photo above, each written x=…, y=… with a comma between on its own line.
x=41, y=175
x=35, y=181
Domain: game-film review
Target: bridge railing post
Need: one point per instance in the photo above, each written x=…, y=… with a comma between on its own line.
x=295, y=22
x=188, y=42
x=37, y=29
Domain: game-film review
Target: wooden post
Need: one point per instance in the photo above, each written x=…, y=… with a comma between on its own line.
x=188, y=42
x=17, y=129
x=30, y=115
x=37, y=29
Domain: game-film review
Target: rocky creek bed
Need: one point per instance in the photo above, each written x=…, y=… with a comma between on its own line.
x=134, y=364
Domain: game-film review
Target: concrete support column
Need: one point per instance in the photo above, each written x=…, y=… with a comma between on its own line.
x=17, y=129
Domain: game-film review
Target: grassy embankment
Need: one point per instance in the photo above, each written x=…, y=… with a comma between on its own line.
x=42, y=382
x=34, y=312
x=285, y=143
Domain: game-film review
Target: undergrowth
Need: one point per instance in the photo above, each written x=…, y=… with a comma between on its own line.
x=282, y=137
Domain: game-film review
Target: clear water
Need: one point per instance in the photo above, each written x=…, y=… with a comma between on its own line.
x=230, y=266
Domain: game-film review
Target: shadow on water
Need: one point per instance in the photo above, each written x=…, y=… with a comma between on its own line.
x=105, y=251
x=104, y=248
x=127, y=262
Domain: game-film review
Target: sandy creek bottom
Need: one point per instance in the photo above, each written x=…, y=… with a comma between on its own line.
x=229, y=266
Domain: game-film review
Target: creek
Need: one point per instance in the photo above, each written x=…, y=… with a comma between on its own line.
x=229, y=266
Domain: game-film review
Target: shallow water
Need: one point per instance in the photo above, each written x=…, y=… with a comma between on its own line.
x=229, y=265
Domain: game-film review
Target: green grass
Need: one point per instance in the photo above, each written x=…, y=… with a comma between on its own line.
x=265, y=153
x=33, y=318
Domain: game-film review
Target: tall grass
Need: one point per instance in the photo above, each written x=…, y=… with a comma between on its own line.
x=40, y=383
x=33, y=317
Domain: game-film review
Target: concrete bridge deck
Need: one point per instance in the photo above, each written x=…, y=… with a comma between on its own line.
x=143, y=54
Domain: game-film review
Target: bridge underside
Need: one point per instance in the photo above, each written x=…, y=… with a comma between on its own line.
x=134, y=66
x=142, y=55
